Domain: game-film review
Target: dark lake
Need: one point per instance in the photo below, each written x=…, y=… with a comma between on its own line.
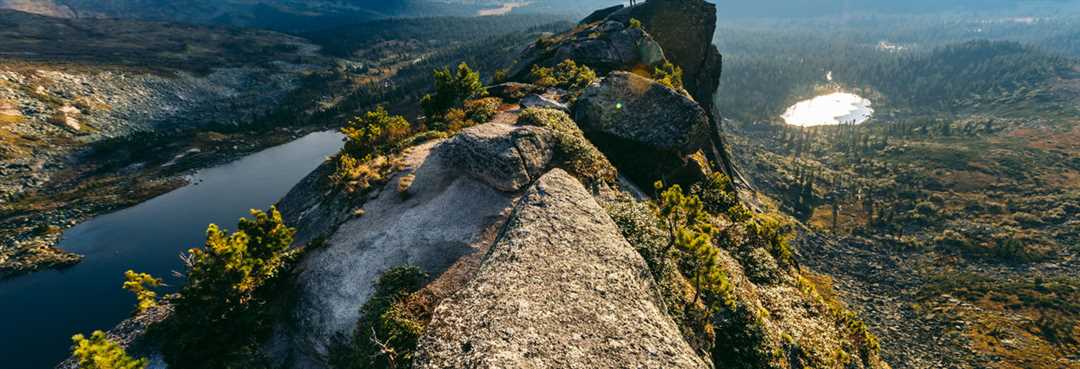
x=40, y=312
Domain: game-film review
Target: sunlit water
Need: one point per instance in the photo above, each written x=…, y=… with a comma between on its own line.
x=39, y=312
x=831, y=109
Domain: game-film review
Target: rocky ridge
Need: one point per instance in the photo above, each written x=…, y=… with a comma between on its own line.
x=539, y=256
x=560, y=288
x=517, y=220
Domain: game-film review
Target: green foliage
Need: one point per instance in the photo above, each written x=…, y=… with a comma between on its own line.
x=500, y=76
x=140, y=284
x=475, y=111
x=482, y=110
x=98, y=352
x=717, y=193
x=669, y=75
x=706, y=272
x=691, y=231
x=742, y=341
x=635, y=24
x=681, y=211
x=369, y=137
x=451, y=90
x=774, y=233
x=388, y=330
x=373, y=131
x=641, y=228
x=567, y=75
x=224, y=310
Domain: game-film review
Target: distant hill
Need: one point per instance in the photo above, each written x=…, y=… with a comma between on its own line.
x=280, y=15
x=819, y=8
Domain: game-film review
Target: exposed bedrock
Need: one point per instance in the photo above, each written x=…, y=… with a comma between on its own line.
x=560, y=288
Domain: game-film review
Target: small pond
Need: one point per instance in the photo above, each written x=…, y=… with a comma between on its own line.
x=832, y=109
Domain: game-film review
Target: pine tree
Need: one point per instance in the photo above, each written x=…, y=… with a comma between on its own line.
x=98, y=352
x=224, y=309
x=140, y=285
x=451, y=90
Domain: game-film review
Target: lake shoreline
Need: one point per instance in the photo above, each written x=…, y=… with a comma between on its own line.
x=51, y=304
x=36, y=248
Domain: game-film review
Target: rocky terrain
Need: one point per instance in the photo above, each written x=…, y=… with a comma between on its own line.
x=535, y=250
x=521, y=236
x=281, y=15
x=61, y=115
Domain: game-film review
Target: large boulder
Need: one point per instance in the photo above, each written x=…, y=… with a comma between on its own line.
x=641, y=110
x=505, y=157
x=560, y=288
x=684, y=28
x=646, y=129
x=603, y=46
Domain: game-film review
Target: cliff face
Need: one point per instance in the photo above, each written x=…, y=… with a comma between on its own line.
x=684, y=28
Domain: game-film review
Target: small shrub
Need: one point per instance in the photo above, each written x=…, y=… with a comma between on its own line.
x=567, y=75
x=456, y=120
x=1026, y=219
x=669, y=75
x=1011, y=249
x=690, y=230
x=356, y=176
x=388, y=331
x=482, y=110
x=500, y=76
x=706, y=274
x=98, y=352
x=717, y=193
x=542, y=76
x=956, y=240
x=739, y=213
x=44, y=229
x=926, y=208
x=760, y=266
x=545, y=41
x=772, y=232
x=1057, y=329
x=373, y=131
x=140, y=284
x=742, y=340
x=641, y=228
x=404, y=184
